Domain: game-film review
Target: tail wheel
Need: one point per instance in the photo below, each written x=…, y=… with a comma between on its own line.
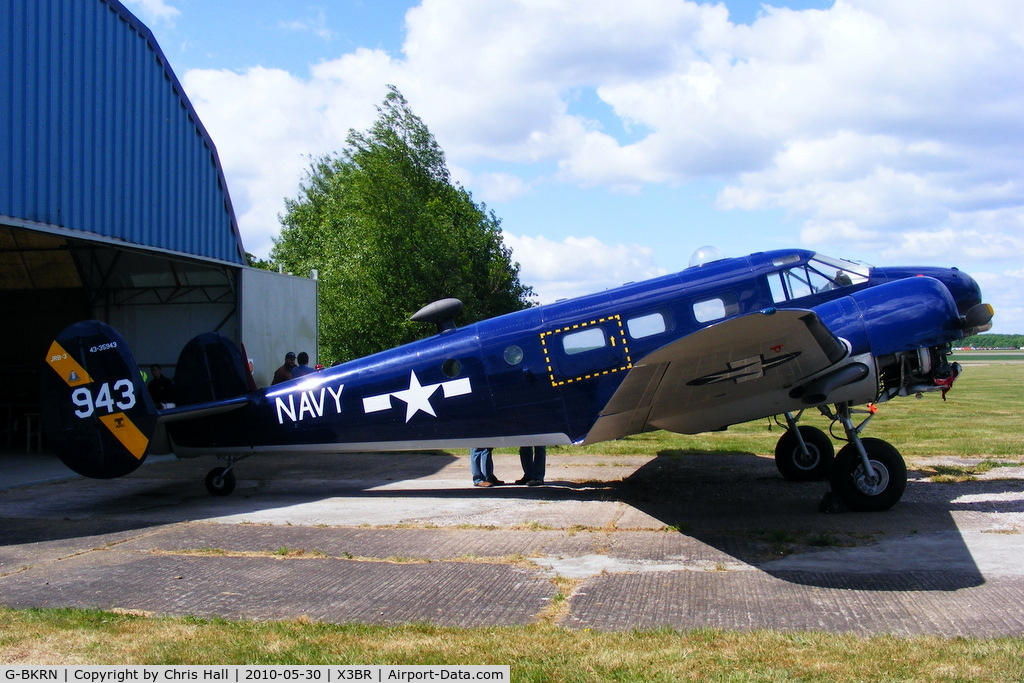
x=220, y=481
x=797, y=465
x=872, y=491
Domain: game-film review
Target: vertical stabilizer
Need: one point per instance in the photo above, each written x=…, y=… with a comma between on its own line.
x=96, y=411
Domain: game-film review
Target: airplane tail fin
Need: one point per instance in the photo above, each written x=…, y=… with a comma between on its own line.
x=210, y=368
x=96, y=411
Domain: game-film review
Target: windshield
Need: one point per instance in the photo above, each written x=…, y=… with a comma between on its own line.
x=820, y=274
x=839, y=270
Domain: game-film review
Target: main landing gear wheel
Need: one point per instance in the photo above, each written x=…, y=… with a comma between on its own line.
x=797, y=464
x=872, y=491
x=220, y=481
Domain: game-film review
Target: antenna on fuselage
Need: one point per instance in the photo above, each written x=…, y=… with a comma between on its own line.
x=442, y=313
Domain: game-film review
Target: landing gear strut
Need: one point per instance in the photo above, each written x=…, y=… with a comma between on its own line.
x=803, y=453
x=868, y=474
x=220, y=481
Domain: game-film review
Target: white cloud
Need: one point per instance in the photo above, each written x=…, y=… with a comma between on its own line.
x=268, y=124
x=151, y=11
x=893, y=128
x=492, y=187
x=1002, y=290
x=578, y=265
x=317, y=25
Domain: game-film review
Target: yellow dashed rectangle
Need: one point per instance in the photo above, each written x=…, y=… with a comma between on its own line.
x=622, y=339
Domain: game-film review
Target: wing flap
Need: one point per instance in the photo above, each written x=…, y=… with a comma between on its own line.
x=731, y=372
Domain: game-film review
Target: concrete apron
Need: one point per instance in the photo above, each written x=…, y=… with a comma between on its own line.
x=686, y=541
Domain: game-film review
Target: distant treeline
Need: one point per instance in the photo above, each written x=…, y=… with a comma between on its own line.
x=994, y=341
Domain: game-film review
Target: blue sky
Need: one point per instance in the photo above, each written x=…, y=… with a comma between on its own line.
x=613, y=139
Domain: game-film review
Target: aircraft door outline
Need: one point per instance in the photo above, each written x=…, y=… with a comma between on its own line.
x=586, y=350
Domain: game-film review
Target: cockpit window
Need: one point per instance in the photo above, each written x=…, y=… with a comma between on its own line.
x=820, y=274
x=842, y=272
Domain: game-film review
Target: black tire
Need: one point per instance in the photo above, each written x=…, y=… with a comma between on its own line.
x=850, y=484
x=220, y=481
x=795, y=465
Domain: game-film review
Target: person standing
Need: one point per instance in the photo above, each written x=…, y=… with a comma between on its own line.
x=284, y=373
x=303, y=367
x=533, y=459
x=481, y=464
x=161, y=388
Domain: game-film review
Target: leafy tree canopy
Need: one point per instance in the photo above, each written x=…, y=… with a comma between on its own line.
x=994, y=341
x=255, y=262
x=389, y=232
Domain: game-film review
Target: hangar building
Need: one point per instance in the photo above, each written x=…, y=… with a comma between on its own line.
x=114, y=206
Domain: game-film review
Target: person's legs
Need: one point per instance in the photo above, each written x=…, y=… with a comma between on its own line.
x=533, y=459
x=526, y=460
x=478, y=460
x=487, y=467
x=540, y=458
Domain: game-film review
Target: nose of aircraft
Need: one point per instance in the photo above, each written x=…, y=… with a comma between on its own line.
x=977, y=316
x=965, y=290
x=963, y=287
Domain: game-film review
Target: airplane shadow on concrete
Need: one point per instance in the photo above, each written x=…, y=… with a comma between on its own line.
x=172, y=491
x=738, y=503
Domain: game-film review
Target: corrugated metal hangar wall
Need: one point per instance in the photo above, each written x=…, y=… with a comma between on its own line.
x=113, y=203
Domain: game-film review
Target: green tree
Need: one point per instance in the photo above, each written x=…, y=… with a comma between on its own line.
x=389, y=232
x=255, y=262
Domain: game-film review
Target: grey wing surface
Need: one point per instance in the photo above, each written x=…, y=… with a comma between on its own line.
x=727, y=373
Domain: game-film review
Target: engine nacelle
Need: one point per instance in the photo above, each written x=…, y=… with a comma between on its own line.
x=907, y=326
x=908, y=315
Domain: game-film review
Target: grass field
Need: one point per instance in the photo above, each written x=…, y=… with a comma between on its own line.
x=981, y=418
x=979, y=421
x=535, y=653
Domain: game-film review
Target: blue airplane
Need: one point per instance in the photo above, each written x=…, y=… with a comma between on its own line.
x=723, y=342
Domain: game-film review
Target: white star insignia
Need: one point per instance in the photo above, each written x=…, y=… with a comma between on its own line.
x=417, y=396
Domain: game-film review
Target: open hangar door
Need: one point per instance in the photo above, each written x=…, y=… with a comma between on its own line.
x=158, y=301
x=49, y=281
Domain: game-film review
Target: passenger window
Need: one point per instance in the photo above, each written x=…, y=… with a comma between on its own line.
x=451, y=368
x=715, y=309
x=585, y=340
x=513, y=355
x=705, y=311
x=646, y=325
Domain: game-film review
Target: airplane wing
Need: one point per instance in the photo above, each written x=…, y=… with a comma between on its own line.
x=728, y=373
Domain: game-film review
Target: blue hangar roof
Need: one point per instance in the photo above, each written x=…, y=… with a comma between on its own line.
x=98, y=138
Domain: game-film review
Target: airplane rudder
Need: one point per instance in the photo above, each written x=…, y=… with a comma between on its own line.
x=97, y=413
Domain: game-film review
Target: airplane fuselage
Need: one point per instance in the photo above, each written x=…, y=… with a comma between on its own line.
x=542, y=376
